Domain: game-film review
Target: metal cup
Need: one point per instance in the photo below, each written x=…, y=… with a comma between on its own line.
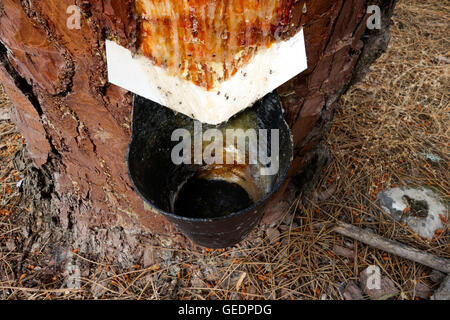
x=214, y=204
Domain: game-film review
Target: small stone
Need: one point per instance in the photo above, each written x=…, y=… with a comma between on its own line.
x=73, y=276
x=84, y=273
x=196, y=282
x=181, y=240
x=443, y=292
x=174, y=270
x=349, y=244
x=437, y=276
x=167, y=256
x=324, y=195
x=211, y=274
x=252, y=289
x=273, y=234
x=287, y=220
x=431, y=157
x=419, y=208
x=284, y=294
x=341, y=251
x=422, y=291
x=10, y=245
x=352, y=291
x=234, y=296
x=442, y=59
x=4, y=114
x=99, y=289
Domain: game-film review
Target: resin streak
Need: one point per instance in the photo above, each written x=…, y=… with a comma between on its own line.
x=207, y=41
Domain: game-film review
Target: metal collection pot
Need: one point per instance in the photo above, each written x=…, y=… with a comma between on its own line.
x=215, y=205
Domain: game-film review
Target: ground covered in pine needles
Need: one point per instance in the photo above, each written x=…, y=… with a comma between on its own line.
x=389, y=130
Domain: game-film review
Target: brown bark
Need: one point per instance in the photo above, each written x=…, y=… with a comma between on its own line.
x=77, y=125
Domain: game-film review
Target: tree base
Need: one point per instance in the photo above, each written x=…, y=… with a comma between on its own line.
x=77, y=125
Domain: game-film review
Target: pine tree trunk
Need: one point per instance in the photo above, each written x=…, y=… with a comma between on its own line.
x=77, y=125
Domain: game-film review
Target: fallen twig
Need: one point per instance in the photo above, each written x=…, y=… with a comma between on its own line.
x=393, y=247
x=40, y=290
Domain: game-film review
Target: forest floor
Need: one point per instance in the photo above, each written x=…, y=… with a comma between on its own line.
x=392, y=129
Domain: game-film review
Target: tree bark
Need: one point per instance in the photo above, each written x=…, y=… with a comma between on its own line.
x=77, y=125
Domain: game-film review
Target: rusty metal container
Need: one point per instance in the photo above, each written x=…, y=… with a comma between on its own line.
x=215, y=205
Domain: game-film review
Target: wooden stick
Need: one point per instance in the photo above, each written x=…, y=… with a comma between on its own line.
x=394, y=247
x=40, y=290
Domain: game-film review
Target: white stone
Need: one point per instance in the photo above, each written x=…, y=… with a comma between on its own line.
x=393, y=203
